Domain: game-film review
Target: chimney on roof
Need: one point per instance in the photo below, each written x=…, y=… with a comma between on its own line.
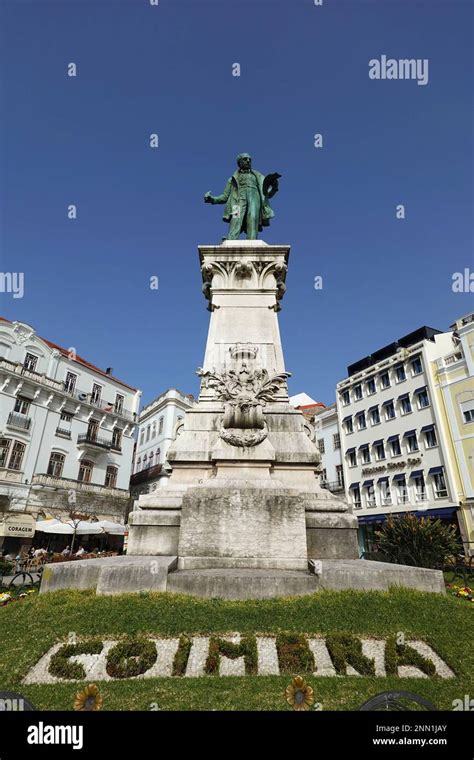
x=109, y=370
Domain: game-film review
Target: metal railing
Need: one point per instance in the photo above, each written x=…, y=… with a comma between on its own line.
x=64, y=433
x=20, y=421
x=332, y=485
x=60, y=385
x=93, y=440
x=67, y=483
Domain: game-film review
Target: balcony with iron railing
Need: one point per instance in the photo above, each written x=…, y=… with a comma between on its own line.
x=335, y=486
x=91, y=440
x=19, y=421
x=51, y=481
x=59, y=386
x=144, y=475
x=63, y=433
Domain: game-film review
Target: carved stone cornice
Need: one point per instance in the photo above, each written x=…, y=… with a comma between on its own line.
x=258, y=269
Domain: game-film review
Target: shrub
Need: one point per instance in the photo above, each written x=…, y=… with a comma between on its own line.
x=60, y=665
x=6, y=567
x=131, y=657
x=401, y=654
x=345, y=649
x=246, y=649
x=182, y=656
x=294, y=655
x=419, y=542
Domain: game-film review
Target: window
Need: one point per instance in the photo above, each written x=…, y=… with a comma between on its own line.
x=400, y=374
x=142, y=436
x=145, y=462
x=430, y=437
x=336, y=441
x=365, y=454
x=66, y=417
x=118, y=406
x=349, y=425
x=420, y=488
x=468, y=415
x=139, y=464
x=5, y=444
x=395, y=446
x=324, y=476
x=412, y=442
x=369, y=493
x=158, y=452
x=30, y=362
x=152, y=454
x=356, y=500
x=402, y=490
x=153, y=430
x=117, y=439
x=416, y=365
x=375, y=416
x=92, y=430
x=385, y=493
x=352, y=457
x=361, y=423
x=346, y=399
x=405, y=404
x=379, y=450
x=148, y=432
x=385, y=380
x=160, y=426
x=440, y=485
x=389, y=411
x=16, y=456
x=56, y=464
x=321, y=445
x=339, y=475
x=70, y=382
x=85, y=471
x=357, y=392
x=111, y=476
x=96, y=393
x=22, y=405
x=371, y=386
x=423, y=399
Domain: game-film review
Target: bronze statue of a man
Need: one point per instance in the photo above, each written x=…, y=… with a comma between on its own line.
x=246, y=199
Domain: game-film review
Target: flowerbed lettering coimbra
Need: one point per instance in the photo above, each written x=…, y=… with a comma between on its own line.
x=234, y=654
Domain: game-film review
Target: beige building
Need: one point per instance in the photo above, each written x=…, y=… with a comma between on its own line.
x=453, y=381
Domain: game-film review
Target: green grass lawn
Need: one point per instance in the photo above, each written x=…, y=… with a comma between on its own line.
x=28, y=628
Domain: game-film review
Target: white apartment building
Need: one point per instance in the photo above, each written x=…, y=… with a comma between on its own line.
x=66, y=433
x=328, y=438
x=396, y=457
x=157, y=426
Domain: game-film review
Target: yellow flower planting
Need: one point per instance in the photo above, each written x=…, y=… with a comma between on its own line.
x=88, y=699
x=299, y=695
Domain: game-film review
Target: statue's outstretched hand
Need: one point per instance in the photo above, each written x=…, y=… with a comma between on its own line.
x=208, y=197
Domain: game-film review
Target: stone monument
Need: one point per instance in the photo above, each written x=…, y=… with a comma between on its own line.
x=243, y=514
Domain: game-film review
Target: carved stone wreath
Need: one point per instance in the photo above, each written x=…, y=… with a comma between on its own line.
x=244, y=392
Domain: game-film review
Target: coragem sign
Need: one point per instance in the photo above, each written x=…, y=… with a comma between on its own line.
x=18, y=526
x=236, y=654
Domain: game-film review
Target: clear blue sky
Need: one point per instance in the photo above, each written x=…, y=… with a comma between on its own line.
x=167, y=69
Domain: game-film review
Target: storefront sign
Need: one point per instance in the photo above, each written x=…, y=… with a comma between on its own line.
x=21, y=525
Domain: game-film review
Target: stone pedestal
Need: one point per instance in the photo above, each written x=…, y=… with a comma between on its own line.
x=243, y=510
x=244, y=490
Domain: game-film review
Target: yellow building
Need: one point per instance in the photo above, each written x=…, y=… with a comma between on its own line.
x=453, y=380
